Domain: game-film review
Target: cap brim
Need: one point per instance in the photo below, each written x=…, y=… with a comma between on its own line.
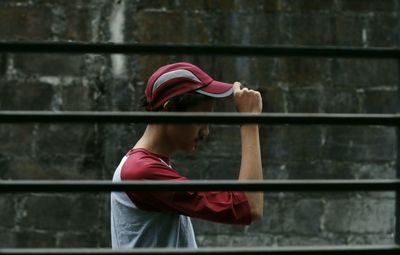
x=216, y=89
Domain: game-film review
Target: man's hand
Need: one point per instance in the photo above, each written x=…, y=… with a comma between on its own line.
x=246, y=100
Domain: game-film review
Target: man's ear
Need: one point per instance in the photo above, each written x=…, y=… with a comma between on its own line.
x=168, y=106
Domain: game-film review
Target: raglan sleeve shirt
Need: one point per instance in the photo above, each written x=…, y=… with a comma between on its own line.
x=222, y=207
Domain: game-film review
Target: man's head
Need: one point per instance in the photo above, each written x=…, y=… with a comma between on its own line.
x=182, y=84
x=183, y=87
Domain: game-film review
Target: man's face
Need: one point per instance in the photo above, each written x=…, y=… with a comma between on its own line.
x=185, y=137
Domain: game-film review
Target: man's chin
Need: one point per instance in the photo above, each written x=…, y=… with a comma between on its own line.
x=191, y=149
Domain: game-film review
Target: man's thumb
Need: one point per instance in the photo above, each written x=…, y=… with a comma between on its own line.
x=236, y=86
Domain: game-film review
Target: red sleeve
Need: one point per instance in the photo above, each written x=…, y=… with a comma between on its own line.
x=223, y=207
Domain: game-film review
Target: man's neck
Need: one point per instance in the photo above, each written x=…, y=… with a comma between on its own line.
x=155, y=141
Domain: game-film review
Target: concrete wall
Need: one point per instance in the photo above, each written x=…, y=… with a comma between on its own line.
x=114, y=83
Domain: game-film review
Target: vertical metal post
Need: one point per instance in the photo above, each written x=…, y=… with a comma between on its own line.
x=397, y=195
x=397, y=208
x=397, y=216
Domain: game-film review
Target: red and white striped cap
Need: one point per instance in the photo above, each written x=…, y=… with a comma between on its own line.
x=176, y=79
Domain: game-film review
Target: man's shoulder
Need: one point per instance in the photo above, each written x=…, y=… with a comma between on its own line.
x=143, y=157
x=141, y=165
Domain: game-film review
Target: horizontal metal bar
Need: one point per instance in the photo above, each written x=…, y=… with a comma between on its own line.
x=298, y=250
x=9, y=186
x=196, y=117
x=178, y=49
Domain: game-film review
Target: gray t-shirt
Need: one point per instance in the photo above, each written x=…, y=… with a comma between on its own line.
x=135, y=228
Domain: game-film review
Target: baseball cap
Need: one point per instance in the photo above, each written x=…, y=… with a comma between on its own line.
x=176, y=79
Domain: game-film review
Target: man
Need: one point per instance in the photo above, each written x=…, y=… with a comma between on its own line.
x=161, y=219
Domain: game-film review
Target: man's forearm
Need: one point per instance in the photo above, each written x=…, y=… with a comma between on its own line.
x=251, y=167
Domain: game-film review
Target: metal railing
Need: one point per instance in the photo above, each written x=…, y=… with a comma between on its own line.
x=193, y=117
x=326, y=250
x=225, y=185
x=12, y=186
x=178, y=49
